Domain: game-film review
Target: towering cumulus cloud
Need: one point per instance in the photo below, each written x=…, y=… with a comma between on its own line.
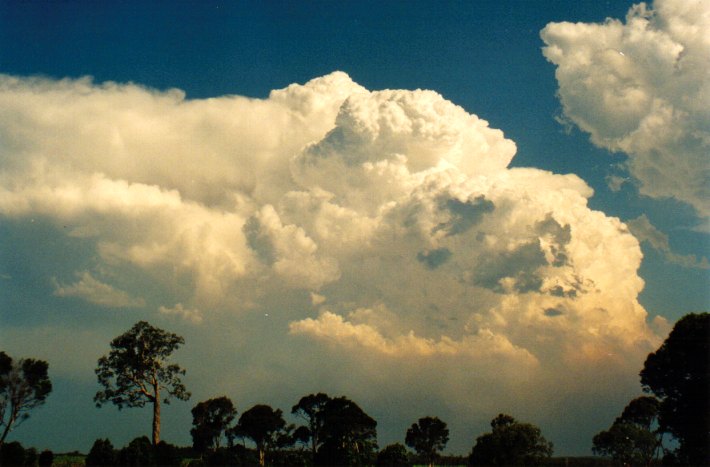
x=643, y=88
x=382, y=231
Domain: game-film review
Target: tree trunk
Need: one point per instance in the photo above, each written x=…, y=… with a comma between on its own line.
x=8, y=426
x=262, y=456
x=156, y=417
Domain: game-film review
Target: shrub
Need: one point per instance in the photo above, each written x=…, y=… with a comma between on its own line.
x=46, y=458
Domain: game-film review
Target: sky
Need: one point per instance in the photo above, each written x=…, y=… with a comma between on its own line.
x=452, y=209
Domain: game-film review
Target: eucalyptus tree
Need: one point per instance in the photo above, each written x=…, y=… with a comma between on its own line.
x=427, y=437
x=24, y=385
x=137, y=371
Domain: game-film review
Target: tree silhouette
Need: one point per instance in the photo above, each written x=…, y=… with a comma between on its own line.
x=211, y=419
x=136, y=371
x=349, y=434
x=262, y=424
x=510, y=443
x=678, y=373
x=632, y=440
x=427, y=437
x=310, y=408
x=102, y=453
x=24, y=385
x=393, y=455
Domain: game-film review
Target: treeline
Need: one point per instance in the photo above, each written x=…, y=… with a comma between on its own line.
x=336, y=431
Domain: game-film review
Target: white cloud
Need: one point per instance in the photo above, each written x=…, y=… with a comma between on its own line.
x=192, y=315
x=641, y=87
x=396, y=209
x=94, y=291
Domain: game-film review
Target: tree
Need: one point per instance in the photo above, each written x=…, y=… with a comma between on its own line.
x=261, y=424
x=349, y=435
x=510, y=443
x=138, y=452
x=310, y=408
x=136, y=371
x=101, y=453
x=211, y=419
x=12, y=454
x=632, y=438
x=24, y=385
x=427, y=437
x=393, y=455
x=46, y=458
x=678, y=374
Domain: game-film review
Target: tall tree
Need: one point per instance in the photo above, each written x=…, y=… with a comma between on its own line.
x=510, y=443
x=24, y=385
x=310, y=408
x=211, y=419
x=262, y=424
x=349, y=435
x=632, y=439
x=136, y=371
x=678, y=373
x=427, y=437
x=393, y=455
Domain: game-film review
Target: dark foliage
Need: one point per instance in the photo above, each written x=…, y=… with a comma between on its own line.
x=311, y=409
x=232, y=456
x=427, y=437
x=12, y=454
x=393, y=455
x=631, y=438
x=31, y=457
x=138, y=452
x=101, y=453
x=510, y=443
x=46, y=458
x=262, y=424
x=24, y=385
x=349, y=435
x=166, y=455
x=210, y=420
x=678, y=373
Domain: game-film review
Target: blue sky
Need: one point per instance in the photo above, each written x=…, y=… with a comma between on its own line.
x=485, y=57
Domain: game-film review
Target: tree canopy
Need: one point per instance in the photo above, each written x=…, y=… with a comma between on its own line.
x=349, y=434
x=262, y=424
x=510, y=443
x=678, y=374
x=136, y=371
x=210, y=421
x=393, y=455
x=427, y=437
x=632, y=439
x=24, y=385
x=311, y=409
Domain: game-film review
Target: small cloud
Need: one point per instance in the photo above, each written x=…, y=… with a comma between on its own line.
x=94, y=291
x=192, y=315
x=614, y=182
x=644, y=231
x=552, y=312
x=432, y=259
x=317, y=299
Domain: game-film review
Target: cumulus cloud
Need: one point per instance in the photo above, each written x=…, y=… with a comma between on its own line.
x=641, y=87
x=380, y=231
x=192, y=315
x=94, y=291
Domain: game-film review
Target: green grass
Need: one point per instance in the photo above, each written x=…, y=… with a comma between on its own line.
x=70, y=459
